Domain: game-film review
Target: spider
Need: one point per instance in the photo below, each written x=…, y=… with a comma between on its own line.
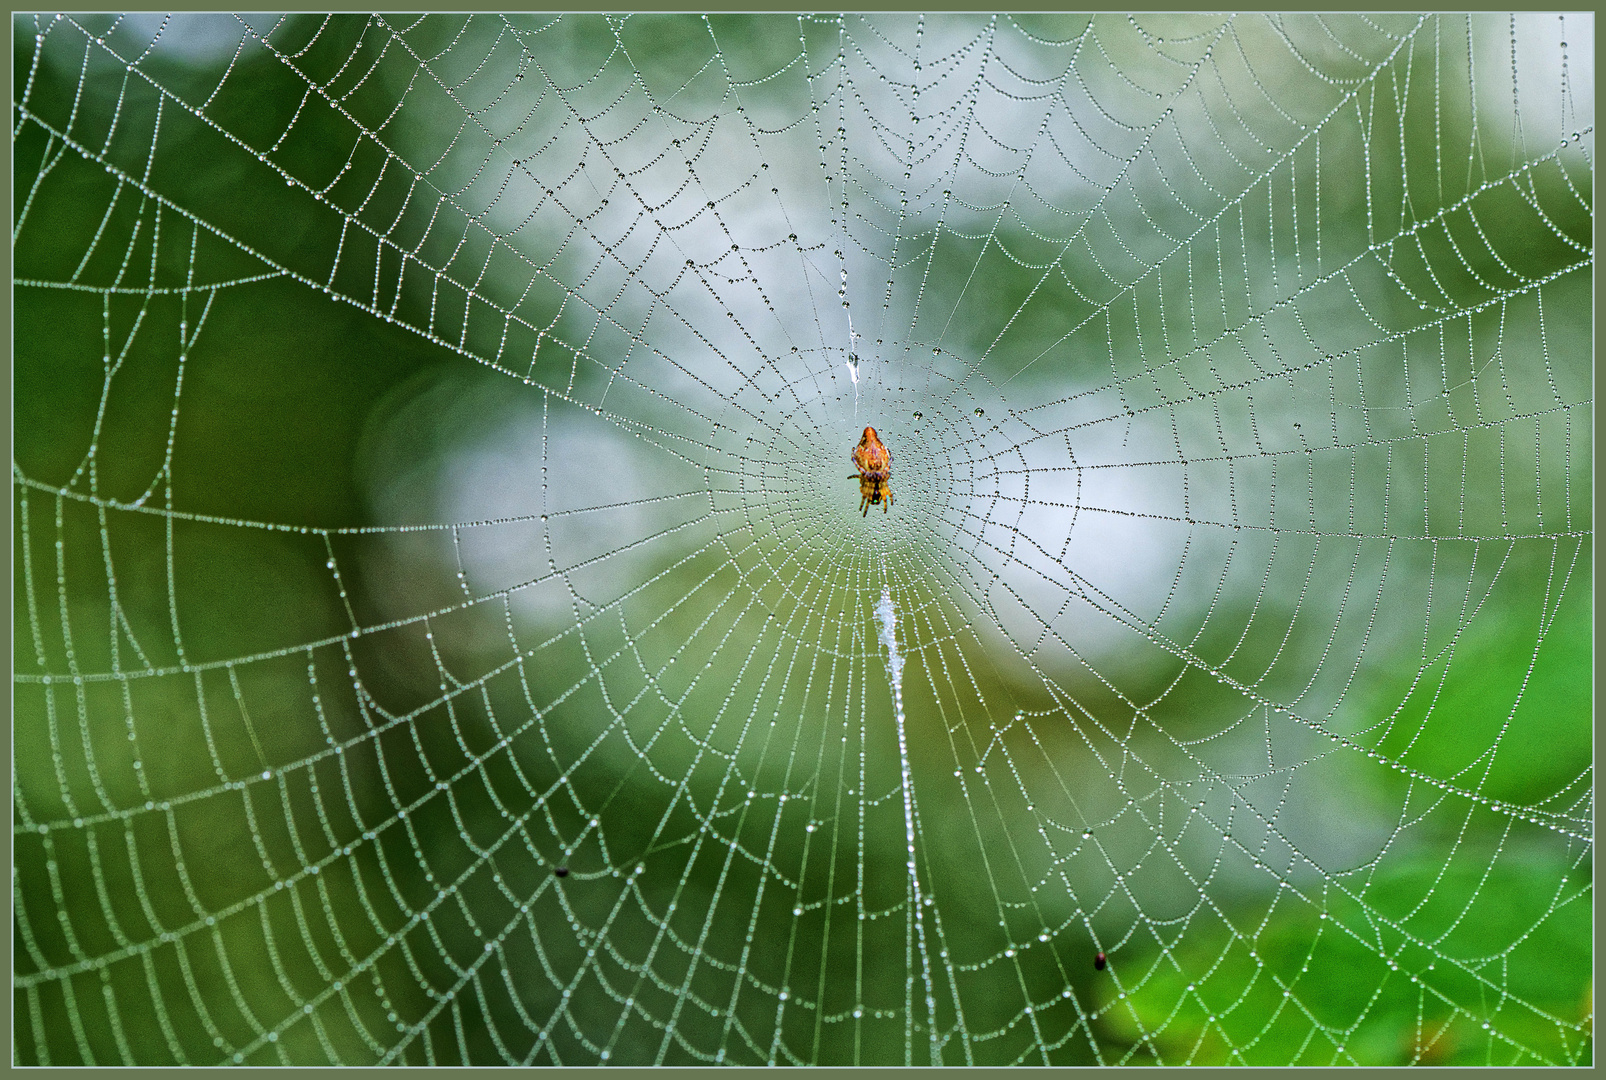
x=874, y=462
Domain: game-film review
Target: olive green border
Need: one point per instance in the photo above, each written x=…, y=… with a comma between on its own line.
x=889, y=6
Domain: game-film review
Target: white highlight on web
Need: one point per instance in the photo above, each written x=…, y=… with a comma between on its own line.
x=887, y=616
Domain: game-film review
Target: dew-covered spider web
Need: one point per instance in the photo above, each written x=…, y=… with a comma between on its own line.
x=446, y=630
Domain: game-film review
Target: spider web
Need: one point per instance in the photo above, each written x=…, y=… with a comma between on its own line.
x=445, y=627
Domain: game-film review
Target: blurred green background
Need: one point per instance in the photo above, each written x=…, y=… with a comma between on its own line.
x=368, y=570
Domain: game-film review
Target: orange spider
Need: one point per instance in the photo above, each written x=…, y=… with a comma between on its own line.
x=874, y=462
